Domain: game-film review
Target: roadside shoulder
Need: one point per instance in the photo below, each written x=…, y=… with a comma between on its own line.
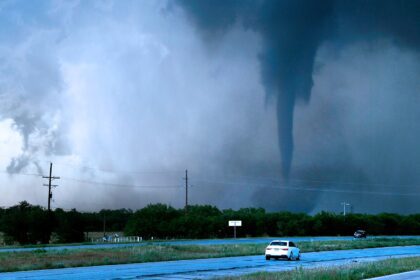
x=409, y=275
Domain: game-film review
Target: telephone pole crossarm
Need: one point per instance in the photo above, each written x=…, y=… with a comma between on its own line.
x=49, y=185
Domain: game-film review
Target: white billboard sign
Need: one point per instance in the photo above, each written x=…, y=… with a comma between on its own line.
x=235, y=223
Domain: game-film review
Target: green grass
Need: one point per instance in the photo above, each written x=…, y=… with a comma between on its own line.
x=355, y=244
x=347, y=272
x=157, y=241
x=41, y=258
x=44, y=245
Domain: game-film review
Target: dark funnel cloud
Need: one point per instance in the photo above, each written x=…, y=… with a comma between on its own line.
x=291, y=34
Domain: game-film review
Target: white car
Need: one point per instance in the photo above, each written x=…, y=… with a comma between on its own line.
x=282, y=249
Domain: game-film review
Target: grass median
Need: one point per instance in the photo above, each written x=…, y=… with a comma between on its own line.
x=42, y=259
x=346, y=272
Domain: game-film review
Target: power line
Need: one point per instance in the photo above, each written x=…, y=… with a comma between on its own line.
x=92, y=182
x=83, y=166
x=277, y=180
x=353, y=183
x=119, y=185
x=121, y=171
x=305, y=188
x=349, y=191
x=96, y=182
x=259, y=185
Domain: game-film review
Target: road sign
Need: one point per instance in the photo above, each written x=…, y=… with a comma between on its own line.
x=235, y=223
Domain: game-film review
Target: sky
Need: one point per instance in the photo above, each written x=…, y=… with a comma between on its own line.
x=285, y=105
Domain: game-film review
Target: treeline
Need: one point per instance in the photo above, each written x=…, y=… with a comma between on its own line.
x=28, y=224
x=162, y=221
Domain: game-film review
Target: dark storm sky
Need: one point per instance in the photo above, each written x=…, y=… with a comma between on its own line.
x=286, y=105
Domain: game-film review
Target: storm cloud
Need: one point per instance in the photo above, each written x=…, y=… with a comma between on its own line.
x=124, y=96
x=293, y=31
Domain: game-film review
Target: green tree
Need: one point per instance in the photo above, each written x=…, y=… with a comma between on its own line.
x=70, y=226
x=155, y=220
x=199, y=222
x=27, y=224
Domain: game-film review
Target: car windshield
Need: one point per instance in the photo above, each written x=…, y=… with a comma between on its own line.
x=278, y=243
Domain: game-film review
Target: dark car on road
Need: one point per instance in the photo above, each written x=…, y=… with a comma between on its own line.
x=360, y=234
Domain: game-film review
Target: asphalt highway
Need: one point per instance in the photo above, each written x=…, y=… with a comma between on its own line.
x=265, y=240
x=217, y=267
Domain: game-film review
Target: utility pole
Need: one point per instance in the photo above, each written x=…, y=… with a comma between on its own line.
x=49, y=185
x=186, y=190
x=104, y=225
x=344, y=205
